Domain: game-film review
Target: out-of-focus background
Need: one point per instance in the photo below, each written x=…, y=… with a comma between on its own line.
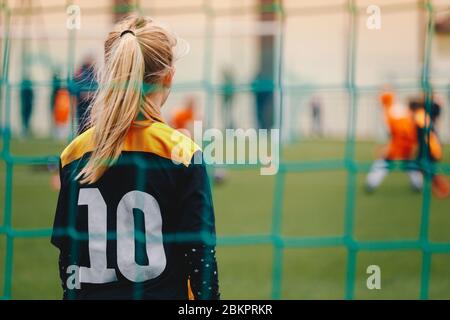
x=314, y=69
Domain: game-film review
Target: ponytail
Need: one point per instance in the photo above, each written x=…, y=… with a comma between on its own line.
x=133, y=59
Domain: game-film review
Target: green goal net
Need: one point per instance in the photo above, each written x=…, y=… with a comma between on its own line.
x=275, y=237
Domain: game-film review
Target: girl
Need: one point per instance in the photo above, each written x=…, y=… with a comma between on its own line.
x=134, y=217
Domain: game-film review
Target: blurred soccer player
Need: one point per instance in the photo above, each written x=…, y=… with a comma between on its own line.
x=135, y=216
x=316, y=116
x=227, y=97
x=183, y=117
x=83, y=90
x=401, y=147
x=183, y=120
x=56, y=85
x=429, y=145
x=26, y=104
x=61, y=113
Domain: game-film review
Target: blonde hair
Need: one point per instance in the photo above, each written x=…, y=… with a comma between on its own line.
x=138, y=55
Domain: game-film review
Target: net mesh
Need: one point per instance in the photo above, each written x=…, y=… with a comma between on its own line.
x=280, y=243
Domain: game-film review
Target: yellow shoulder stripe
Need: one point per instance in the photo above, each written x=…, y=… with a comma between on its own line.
x=157, y=138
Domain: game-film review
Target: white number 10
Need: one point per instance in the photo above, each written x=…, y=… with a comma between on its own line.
x=98, y=272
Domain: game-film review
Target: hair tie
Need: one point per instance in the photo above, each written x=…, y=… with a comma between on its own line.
x=127, y=31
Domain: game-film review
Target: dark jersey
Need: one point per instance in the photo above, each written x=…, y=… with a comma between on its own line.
x=145, y=229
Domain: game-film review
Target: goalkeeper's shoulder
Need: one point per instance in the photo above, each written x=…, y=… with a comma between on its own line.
x=77, y=148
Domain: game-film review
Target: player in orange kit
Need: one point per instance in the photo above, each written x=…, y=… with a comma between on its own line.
x=61, y=113
x=183, y=118
x=401, y=147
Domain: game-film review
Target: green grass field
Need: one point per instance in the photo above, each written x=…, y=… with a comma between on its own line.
x=314, y=205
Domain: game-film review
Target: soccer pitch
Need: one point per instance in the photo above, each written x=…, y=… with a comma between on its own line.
x=313, y=205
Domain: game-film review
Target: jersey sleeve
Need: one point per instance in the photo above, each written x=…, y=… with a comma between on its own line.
x=198, y=224
x=59, y=238
x=65, y=212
